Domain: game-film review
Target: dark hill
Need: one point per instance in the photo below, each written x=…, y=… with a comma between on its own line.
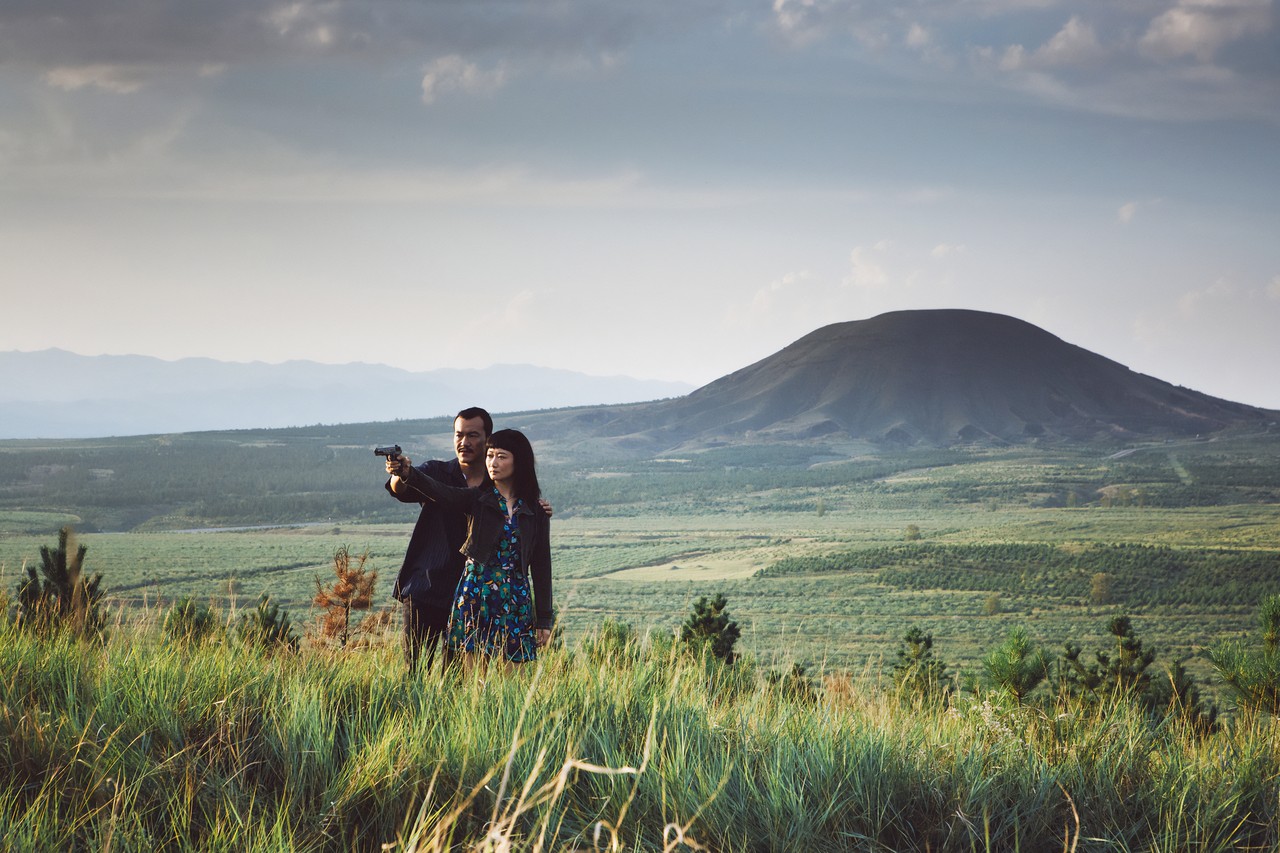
x=934, y=377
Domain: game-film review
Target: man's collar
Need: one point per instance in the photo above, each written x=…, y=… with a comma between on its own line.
x=463, y=473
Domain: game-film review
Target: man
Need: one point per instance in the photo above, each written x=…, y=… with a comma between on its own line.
x=433, y=562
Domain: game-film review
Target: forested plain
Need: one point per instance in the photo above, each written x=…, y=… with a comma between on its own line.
x=824, y=549
x=837, y=560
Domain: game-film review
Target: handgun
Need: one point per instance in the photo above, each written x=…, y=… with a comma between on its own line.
x=391, y=450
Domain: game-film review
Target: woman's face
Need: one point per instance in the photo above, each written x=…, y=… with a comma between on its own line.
x=501, y=464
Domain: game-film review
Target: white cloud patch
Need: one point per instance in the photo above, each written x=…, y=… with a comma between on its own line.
x=518, y=311
x=787, y=289
x=310, y=23
x=1194, y=304
x=867, y=267
x=801, y=21
x=944, y=250
x=454, y=74
x=1075, y=45
x=1225, y=322
x=116, y=79
x=784, y=309
x=1201, y=28
x=1126, y=212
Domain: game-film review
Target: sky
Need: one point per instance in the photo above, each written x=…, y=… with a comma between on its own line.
x=671, y=189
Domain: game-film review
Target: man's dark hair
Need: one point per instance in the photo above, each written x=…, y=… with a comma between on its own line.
x=477, y=412
x=526, y=473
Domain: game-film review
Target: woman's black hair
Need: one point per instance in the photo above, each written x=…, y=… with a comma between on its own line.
x=526, y=472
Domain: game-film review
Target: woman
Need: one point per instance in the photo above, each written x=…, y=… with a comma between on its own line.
x=508, y=542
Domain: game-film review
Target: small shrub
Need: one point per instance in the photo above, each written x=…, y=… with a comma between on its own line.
x=611, y=643
x=190, y=622
x=352, y=590
x=709, y=625
x=1253, y=676
x=1178, y=695
x=1117, y=672
x=1100, y=588
x=1017, y=666
x=794, y=685
x=66, y=598
x=268, y=627
x=916, y=672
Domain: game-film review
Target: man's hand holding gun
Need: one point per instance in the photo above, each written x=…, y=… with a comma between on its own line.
x=397, y=463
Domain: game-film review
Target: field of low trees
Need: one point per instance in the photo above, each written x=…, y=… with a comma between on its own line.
x=863, y=708
x=184, y=730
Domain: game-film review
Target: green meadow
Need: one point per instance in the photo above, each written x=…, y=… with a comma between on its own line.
x=827, y=555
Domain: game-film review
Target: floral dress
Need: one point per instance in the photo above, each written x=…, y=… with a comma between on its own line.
x=493, y=610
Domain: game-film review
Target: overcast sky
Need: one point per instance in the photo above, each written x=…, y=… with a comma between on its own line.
x=666, y=189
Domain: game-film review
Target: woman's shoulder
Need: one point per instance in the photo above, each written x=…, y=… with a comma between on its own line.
x=534, y=511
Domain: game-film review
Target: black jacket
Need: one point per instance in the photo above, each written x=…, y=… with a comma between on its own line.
x=433, y=561
x=484, y=531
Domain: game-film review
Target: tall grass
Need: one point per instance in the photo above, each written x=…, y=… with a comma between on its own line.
x=141, y=744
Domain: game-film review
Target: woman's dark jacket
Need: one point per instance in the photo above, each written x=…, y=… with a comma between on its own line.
x=484, y=531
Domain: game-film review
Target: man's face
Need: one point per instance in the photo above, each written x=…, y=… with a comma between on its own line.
x=468, y=440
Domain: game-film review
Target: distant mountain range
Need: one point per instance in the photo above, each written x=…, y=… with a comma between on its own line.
x=58, y=394
x=934, y=377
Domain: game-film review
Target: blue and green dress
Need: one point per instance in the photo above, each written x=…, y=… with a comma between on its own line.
x=493, y=610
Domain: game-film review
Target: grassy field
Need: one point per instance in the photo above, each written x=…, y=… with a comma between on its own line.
x=827, y=556
x=614, y=743
x=648, y=571
x=640, y=540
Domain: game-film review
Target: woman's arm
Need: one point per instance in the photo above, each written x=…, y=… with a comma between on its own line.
x=540, y=572
x=433, y=490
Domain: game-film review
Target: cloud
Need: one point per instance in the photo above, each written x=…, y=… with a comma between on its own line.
x=1126, y=212
x=918, y=37
x=1225, y=322
x=784, y=309
x=1200, y=28
x=867, y=267
x=519, y=312
x=787, y=289
x=145, y=34
x=309, y=22
x=1160, y=59
x=1193, y=305
x=943, y=250
x=1076, y=44
x=801, y=21
x=454, y=74
x=119, y=80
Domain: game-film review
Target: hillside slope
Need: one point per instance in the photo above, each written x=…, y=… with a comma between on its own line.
x=935, y=377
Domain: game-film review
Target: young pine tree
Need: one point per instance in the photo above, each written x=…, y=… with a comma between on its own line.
x=66, y=598
x=1253, y=675
x=1018, y=665
x=709, y=625
x=268, y=627
x=916, y=672
x=352, y=589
